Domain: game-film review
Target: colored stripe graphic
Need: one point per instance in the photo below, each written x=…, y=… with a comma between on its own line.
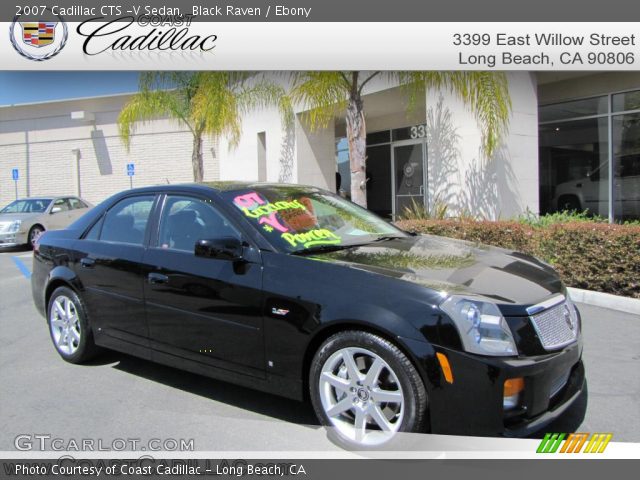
x=598, y=443
x=550, y=443
x=574, y=442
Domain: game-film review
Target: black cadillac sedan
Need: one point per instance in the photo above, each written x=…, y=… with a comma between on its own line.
x=295, y=291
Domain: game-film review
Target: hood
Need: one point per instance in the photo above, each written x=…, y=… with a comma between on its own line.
x=455, y=267
x=10, y=217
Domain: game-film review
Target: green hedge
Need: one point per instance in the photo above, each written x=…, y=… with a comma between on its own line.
x=593, y=256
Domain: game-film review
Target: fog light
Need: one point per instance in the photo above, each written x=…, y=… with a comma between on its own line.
x=513, y=387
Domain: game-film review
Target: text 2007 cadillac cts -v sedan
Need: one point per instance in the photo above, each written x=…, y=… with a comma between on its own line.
x=296, y=291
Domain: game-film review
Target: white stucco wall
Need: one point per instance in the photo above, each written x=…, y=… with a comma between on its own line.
x=240, y=162
x=461, y=176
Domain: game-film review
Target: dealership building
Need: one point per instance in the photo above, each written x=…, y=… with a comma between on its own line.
x=573, y=142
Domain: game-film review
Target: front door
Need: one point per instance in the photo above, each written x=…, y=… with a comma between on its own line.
x=203, y=309
x=409, y=175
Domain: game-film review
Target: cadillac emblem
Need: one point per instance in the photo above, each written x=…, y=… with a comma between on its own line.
x=38, y=40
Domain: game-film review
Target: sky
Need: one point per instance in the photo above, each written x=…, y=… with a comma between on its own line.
x=38, y=86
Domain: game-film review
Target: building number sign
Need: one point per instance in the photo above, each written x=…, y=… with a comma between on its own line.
x=418, y=131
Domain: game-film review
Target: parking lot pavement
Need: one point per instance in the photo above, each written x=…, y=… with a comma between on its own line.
x=119, y=396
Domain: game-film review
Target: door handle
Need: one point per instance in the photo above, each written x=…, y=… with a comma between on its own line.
x=87, y=262
x=157, y=279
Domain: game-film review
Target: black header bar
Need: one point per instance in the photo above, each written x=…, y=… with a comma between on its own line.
x=340, y=10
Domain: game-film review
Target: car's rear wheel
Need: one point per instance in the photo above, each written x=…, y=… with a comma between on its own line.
x=69, y=328
x=366, y=390
x=34, y=234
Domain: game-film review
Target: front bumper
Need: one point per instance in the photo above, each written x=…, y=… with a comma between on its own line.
x=473, y=403
x=12, y=239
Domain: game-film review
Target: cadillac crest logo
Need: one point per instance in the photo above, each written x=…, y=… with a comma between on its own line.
x=38, y=34
x=38, y=40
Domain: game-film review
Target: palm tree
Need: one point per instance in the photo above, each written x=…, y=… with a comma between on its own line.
x=207, y=103
x=330, y=93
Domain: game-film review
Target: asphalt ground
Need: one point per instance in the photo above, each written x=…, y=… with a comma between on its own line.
x=121, y=397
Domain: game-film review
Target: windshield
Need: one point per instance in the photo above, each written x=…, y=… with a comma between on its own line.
x=36, y=205
x=299, y=219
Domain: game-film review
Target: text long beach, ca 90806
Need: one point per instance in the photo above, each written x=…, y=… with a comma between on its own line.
x=236, y=11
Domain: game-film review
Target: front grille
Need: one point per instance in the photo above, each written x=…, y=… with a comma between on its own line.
x=555, y=327
x=558, y=384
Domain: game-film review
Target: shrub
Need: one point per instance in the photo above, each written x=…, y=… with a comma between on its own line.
x=589, y=255
x=419, y=211
x=559, y=217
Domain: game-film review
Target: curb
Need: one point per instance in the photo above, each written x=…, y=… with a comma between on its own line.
x=605, y=300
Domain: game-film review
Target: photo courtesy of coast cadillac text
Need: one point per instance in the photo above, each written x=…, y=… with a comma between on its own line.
x=319, y=238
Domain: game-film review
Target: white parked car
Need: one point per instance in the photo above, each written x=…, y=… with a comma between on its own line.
x=23, y=221
x=592, y=192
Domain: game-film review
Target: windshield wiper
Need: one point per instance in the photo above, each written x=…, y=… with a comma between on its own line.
x=335, y=248
x=384, y=238
x=324, y=249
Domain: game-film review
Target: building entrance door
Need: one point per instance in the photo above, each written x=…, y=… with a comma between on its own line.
x=409, y=160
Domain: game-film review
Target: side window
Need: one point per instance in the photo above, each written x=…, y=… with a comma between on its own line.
x=185, y=220
x=126, y=222
x=62, y=204
x=94, y=232
x=76, y=203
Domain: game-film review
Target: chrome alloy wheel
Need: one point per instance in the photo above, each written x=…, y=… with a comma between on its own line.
x=65, y=325
x=361, y=395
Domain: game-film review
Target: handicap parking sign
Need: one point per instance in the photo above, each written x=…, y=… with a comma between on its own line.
x=131, y=169
x=15, y=174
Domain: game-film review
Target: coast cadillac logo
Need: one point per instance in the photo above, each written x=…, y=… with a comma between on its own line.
x=38, y=39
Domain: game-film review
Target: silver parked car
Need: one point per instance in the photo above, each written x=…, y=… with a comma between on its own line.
x=23, y=221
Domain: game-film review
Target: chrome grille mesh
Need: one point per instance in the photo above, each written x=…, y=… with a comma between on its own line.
x=555, y=327
x=558, y=384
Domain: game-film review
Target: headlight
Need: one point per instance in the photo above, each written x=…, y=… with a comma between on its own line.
x=482, y=327
x=15, y=226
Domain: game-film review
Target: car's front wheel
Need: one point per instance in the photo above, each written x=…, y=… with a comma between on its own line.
x=69, y=328
x=366, y=390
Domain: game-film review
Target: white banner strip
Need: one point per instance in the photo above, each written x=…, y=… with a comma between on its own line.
x=325, y=46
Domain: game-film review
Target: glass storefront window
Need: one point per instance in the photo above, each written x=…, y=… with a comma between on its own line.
x=378, y=137
x=578, y=108
x=576, y=158
x=574, y=166
x=626, y=167
x=622, y=102
x=343, y=175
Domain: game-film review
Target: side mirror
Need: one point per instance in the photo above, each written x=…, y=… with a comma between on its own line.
x=56, y=210
x=225, y=248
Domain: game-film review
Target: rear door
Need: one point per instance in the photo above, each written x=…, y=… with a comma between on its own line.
x=109, y=266
x=203, y=309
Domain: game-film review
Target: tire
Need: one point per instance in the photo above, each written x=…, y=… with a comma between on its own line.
x=68, y=327
x=384, y=373
x=34, y=234
x=569, y=203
